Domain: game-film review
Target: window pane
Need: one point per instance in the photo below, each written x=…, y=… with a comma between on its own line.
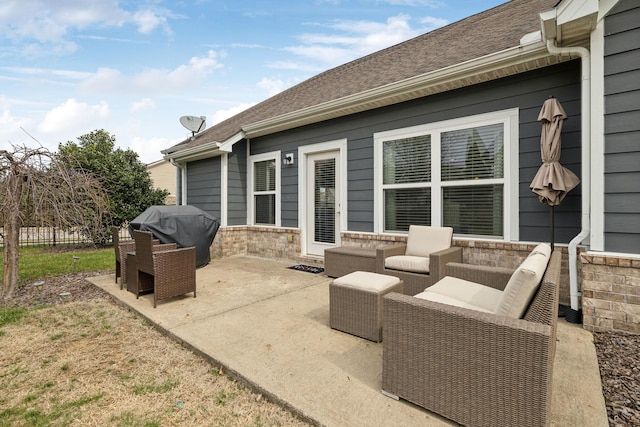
x=476, y=210
x=473, y=153
x=404, y=207
x=407, y=160
x=265, y=205
x=264, y=175
x=324, y=201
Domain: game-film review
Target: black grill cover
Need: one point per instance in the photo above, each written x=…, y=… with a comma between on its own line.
x=184, y=225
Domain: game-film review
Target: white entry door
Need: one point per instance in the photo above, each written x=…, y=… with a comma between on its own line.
x=322, y=202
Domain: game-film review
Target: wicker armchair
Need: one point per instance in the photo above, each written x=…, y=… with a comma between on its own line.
x=420, y=262
x=121, y=249
x=164, y=269
x=476, y=368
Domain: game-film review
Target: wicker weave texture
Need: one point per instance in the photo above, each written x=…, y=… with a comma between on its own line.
x=121, y=250
x=358, y=311
x=167, y=271
x=475, y=368
x=414, y=283
x=341, y=261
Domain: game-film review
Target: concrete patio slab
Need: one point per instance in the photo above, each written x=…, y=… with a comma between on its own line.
x=269, y=326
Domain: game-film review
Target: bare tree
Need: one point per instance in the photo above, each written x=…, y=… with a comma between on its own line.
x=34, y=186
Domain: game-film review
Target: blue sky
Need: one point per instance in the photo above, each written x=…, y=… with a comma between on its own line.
x=68, y=67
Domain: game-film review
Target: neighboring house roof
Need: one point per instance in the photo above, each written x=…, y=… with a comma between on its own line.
x=399, y=73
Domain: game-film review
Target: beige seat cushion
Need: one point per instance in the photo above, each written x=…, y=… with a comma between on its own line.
x=365, y=280
x=543, y=249
x=523, y=284
x=415, y=264
x=462, y=293
x=423, y=241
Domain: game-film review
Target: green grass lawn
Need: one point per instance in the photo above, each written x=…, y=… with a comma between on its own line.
x=40, y=262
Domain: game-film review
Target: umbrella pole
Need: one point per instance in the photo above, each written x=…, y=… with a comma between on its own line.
x=553, y=226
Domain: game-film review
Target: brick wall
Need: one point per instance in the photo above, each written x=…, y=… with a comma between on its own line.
x=610, y=293
x=269, y=242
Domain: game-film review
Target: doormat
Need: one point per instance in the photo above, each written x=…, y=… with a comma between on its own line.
x=307, y=268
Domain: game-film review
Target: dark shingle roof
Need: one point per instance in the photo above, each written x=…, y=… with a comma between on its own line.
x=482, y=34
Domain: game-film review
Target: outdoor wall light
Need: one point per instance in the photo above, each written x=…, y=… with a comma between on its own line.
x=39, y=286
x=287, y=159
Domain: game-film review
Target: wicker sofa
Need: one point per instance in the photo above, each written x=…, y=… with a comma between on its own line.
x=476, y=368
x=166, y=270
x=420, y=262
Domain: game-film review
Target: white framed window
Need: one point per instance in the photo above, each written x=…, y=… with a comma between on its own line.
x=460, y=173
x=264, y=176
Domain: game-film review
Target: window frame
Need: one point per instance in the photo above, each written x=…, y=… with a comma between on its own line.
x=257, y=158
x=509, y=118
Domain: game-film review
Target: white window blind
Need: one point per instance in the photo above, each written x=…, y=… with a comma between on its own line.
x=406, y=182
x=461, y=180
x=264, y=192
x=471, y=163
x=325, y=201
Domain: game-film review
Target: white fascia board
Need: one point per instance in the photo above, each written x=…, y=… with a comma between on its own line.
x=572, y=10
x=227, y=146
x=549, y=24
x=401, y=91
x=206, y=150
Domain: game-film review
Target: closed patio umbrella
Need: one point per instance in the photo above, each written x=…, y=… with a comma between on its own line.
x=553, y=181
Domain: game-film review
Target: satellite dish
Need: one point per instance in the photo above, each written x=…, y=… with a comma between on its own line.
x=193, y=123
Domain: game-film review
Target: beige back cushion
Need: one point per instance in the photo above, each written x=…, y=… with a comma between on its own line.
x=524, y=283
x=423, y=240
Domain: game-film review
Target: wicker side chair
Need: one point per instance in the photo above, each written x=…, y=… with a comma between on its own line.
x=121, y=250
x=432, y=244
x=164, y=269
x=476, y=368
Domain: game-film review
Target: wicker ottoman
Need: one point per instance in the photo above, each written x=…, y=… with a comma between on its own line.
x=343, y=260
x=355, y=303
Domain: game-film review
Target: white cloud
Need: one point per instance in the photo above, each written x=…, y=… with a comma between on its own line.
x=293, y=65
x=143, y=104
x=44, y=27
x=185, y=76
x=10, y=125
x=354, y=39
x=272, y=86
x=149, y=149
x=148, y=20
x=433, y=22
x=72, y=115
x=428, y=3
x=222, y=115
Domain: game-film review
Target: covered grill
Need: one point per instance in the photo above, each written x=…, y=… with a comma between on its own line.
x=184, y=225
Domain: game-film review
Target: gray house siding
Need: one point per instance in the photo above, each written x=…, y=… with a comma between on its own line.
x=237, y=185
x=203, y=189
x=622, y=129
x=526, y=91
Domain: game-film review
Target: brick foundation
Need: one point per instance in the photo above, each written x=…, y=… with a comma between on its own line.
x=610, y=293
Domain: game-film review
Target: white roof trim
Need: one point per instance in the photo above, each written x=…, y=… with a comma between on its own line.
x=203, y=151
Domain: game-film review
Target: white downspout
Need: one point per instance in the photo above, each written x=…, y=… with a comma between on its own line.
x=585, y=114
x=179, y=179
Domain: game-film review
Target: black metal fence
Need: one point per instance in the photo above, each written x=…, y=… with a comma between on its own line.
x=53, y=236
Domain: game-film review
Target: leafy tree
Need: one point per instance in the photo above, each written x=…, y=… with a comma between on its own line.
x=35, y=187
x=124, y=176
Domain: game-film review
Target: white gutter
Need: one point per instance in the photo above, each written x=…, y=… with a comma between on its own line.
x=585, y=114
